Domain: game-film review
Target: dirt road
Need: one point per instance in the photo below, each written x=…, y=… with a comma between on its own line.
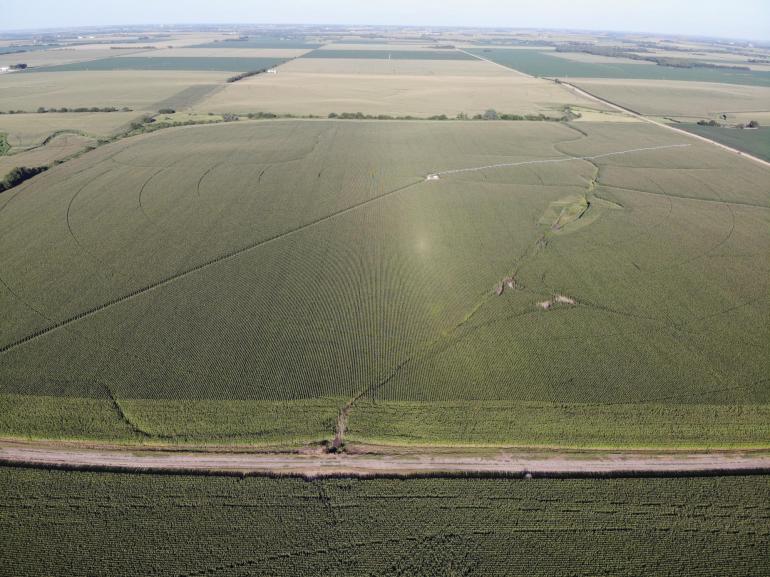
x=372, y=461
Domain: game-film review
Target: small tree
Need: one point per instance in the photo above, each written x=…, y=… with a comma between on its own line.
x=490, y=114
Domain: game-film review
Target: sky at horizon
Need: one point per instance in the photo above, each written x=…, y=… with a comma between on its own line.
x=746, y=19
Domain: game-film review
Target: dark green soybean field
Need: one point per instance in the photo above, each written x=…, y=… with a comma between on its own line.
x=541, y=63
x=755, y=141
x=122, y=524
x=215, y=63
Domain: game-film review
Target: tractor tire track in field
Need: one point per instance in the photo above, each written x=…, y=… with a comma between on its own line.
x=122, y=414
x=102, y=266
x=201, y=266
x=141, y=192
x=205, y=174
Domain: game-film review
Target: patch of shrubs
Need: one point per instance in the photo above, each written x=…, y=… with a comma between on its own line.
x=19, y=175
x=243, y=75
x=142, y=122
x=488, y=115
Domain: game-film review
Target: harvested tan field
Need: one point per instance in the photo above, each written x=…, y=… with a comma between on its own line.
x=218, y=53
x=470, y=45
x=61, y=56
x=596, y=58
x=58, y=148
x=26, y=130
x=385, y=46
x=177, y=40
x=678, y=98
x=139, y=90
x=365, y=66
x=397, y=87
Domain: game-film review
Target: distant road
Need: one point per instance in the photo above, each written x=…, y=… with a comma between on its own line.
x=373, y=461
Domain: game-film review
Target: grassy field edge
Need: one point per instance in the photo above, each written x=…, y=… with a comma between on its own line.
x=488, y=424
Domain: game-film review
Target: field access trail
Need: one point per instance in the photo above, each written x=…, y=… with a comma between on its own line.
x=363, y=461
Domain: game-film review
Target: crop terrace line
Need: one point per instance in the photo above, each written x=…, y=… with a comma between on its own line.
x=555, y=160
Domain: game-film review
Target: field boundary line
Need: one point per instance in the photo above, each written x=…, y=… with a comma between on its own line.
x=508, y=68
x=644, y=118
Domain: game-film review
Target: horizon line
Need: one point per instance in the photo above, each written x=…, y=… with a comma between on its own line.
x=701, y=36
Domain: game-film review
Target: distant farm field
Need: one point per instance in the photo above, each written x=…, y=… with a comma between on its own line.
x=686, y=100
x=190, y=525
x=540, y=63
x=378, y=45
x=188, y=52
x=30, y=130
x=58, y=148
x=57, y=56
x=246, y=281
x=139, y=90
x=420, y=88
x=753, y=141
x=208, y=63
x=391, y=54
x=259, y=42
